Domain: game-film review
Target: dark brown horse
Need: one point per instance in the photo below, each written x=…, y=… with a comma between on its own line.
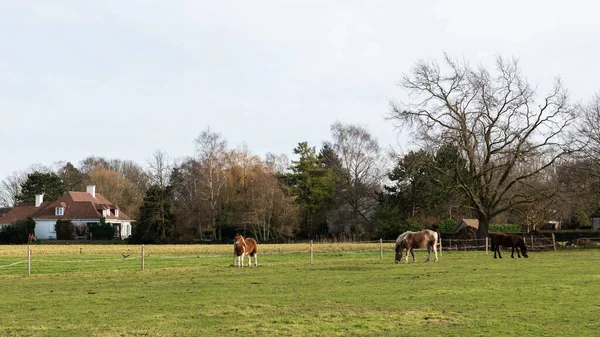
x=242, y=247
x=508, y=240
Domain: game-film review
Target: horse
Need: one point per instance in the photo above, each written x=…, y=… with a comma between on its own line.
x=243, y=247
x=413, y=240
x=508, y=240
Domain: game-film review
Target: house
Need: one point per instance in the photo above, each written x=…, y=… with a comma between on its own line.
x=595, y=219
x=551, y=225
x=79, y=207
x=466, y=223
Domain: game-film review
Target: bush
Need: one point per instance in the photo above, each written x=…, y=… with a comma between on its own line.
x=17, y=232
x=446, y=225
x=101, y=231
x=64, y=229
x=505, y=228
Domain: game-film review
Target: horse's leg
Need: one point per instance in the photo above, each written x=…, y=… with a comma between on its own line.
x=255, y=260
x=249, y=260
x=435, y=252
x=412, y=253
x=498, y=248
x=407, y=253
x=428, y=253
x=512, y=254
x=518, y=255
x=234, y=259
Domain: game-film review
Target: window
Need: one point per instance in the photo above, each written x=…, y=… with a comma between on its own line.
x=116, y=212
x=60, y=211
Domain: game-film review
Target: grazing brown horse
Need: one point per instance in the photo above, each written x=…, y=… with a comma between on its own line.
x=242, y=247
x=413, y=240
x=508, y=240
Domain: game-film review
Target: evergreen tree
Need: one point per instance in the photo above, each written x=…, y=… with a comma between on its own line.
x=156, y=223
x=313, y=182
x=49, y=184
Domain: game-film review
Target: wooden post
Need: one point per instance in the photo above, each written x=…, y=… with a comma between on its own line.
x=311, y=251
x=486, y=244
x=441, y=244
x=79, y=250
x=143, y=257
x=28, y=261
x=553, y=242
x=381, y=249
x=450, y=244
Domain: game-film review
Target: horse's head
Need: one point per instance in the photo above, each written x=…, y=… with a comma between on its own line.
x=238, y=240
x=523, y=248
x=400, y=245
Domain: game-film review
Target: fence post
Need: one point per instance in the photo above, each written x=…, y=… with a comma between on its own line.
x=79, y=250
x=143, y=257
x=553, y=242
x=381, y=249
x=28, y=261
x=450, y=243
x=311, y=251
x=441, y=244
x=486, y=244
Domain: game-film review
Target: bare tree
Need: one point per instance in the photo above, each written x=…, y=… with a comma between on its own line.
x=160, y=169
x=504, y=132
x=10, y=188
x=211, y=151
x=358, y=169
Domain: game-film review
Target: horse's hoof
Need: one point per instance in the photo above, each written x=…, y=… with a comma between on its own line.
x=405, y=262
x=396, y=261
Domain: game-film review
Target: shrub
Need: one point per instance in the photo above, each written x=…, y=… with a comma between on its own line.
x=64, y=229
x=505, y=228
x=17, y=232
x=101, y=231
x=446, y=225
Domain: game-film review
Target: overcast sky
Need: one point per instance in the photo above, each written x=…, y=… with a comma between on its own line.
x=122, y=79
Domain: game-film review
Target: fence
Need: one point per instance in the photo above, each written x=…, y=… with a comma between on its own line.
x=127, y=253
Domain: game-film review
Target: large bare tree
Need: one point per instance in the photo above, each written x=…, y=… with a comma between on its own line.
x=505, y=132
x=358, y=168
x=211, y=152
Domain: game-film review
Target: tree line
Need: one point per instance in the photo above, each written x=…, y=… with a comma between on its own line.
x=486, y=146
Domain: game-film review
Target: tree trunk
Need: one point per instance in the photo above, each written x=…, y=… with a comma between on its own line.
x=484, y=225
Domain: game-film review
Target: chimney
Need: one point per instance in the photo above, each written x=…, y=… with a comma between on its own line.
x=39, y=199
x=91, y=189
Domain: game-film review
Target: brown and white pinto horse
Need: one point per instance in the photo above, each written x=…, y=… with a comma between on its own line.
x=508, y=240
x=412, y=240
x=242, y=247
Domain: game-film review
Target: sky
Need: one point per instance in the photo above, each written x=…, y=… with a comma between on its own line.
x=123, y=79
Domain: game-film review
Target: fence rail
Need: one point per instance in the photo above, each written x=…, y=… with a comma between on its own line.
x=140, y=253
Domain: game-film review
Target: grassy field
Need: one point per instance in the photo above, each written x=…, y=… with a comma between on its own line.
x=347, y=291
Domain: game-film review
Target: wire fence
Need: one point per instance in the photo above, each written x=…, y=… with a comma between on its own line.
x=139, y=253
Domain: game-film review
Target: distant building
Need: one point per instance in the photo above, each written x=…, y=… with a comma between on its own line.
x=474, y=223
x=79, y=207
x=595, y=219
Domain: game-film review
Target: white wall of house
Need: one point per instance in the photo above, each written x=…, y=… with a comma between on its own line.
x=45, y=229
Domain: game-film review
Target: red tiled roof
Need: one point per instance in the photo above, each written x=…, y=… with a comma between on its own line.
x=77, y=205
x=21, y=212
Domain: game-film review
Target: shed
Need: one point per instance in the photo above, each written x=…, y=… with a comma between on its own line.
x=595, y=219
x=474, y=223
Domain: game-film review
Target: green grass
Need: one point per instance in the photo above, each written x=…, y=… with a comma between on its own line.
x=341, y=294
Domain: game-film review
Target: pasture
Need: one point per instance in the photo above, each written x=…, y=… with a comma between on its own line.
x=347, y=291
